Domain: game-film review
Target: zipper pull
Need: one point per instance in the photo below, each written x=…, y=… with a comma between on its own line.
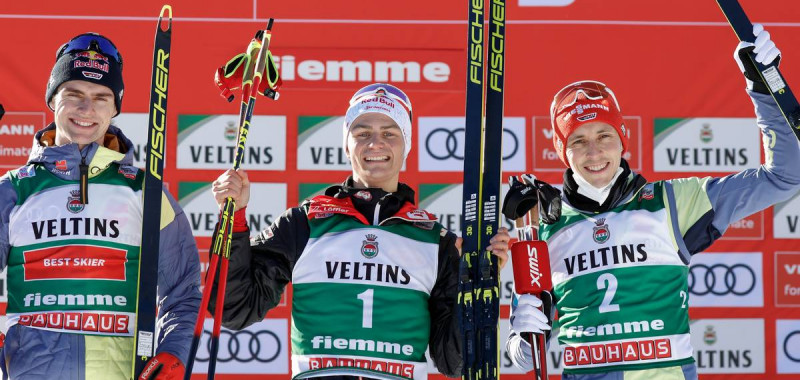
x=84, y=183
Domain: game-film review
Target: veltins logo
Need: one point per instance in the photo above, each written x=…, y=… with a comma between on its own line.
x=262, y=348
x=787, y=279
x=545, y=157
x=728, y=345
x=74, y=204
x=16, y=132
x=787, y=346
x=201, y=208
x=440, y=144
x=726, y=280
x=786, y=219
x=369, y=247
x=203, y=142
x=600, y=232
x=689, y=145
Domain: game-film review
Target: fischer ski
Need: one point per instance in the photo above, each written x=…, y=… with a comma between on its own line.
x=770, y=74
x=478, y=297
x=145, y=334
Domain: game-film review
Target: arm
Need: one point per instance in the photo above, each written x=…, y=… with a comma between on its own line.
x=178, y=282
x=8, y=198
x=705, y=207
x=445, y=336
x=259, y=271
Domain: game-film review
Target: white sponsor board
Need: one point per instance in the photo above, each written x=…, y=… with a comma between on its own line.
x=319, y=144
x=440, y=144
x=786, y=219
x=262, y=348
x=726, y=279
x=209, y=142
x=134, y=126
x=728, y=345
x=787, y=341
x=267, y=202
x=706, y=145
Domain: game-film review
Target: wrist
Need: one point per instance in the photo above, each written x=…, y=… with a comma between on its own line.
x=240, y=220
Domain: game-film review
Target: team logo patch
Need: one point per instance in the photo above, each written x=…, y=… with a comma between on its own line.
x=601, y=232
x=323, y=215
x=128, y=171
x=61, y=165
x=92, y=75
x=363, y=194
x=74, y=204
x=587, y=117
x=26, y=172
x=647, y=192
x=369, y=247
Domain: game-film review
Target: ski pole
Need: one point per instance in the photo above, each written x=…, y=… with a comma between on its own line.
x=251, y=80
x=531, y=263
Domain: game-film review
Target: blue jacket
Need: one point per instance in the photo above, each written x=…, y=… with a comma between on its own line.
x=33, y=353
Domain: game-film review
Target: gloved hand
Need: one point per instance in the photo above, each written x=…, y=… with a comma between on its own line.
x=163, y=366
x=526, y=192
x=765, y=53
x=527, y=317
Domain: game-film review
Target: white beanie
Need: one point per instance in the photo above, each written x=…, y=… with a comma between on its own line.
x=384, y=104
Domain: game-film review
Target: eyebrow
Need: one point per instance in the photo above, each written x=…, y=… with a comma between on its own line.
x=98, y=95
x=382, y=127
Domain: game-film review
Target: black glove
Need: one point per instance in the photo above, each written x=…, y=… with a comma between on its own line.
x=524, y=194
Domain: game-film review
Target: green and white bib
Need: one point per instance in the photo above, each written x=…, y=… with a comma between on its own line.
x=621, y=286
x=72, y=267
x=360, y=295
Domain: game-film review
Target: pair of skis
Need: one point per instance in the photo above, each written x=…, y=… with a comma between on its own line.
x=479, y=287
x=252, y=65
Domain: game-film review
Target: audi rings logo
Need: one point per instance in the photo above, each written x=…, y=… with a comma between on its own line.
x=243, y=346
x=721, y=279
x=443, y=144
x=792, y=351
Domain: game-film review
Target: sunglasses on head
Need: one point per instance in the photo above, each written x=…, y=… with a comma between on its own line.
x=591, y=90
x=383, y=89
x=91, y=41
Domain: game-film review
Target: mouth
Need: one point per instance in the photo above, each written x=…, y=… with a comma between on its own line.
x=376, y=159
x=82, y=123
x=596, y=168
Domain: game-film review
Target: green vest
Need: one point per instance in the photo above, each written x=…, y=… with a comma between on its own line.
x=360, y=294
x=72, y=267
x=621, y=286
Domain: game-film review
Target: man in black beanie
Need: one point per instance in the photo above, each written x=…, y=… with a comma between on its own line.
x=73, y=264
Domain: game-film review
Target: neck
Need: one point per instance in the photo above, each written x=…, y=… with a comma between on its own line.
x=597, y=194
x=387, y=186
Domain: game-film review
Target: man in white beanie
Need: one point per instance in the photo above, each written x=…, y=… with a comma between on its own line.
x=374, y=277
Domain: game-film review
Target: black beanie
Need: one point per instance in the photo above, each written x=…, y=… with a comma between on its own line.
x=89, y=66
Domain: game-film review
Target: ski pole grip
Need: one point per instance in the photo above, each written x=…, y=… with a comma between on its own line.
x=531, y=262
